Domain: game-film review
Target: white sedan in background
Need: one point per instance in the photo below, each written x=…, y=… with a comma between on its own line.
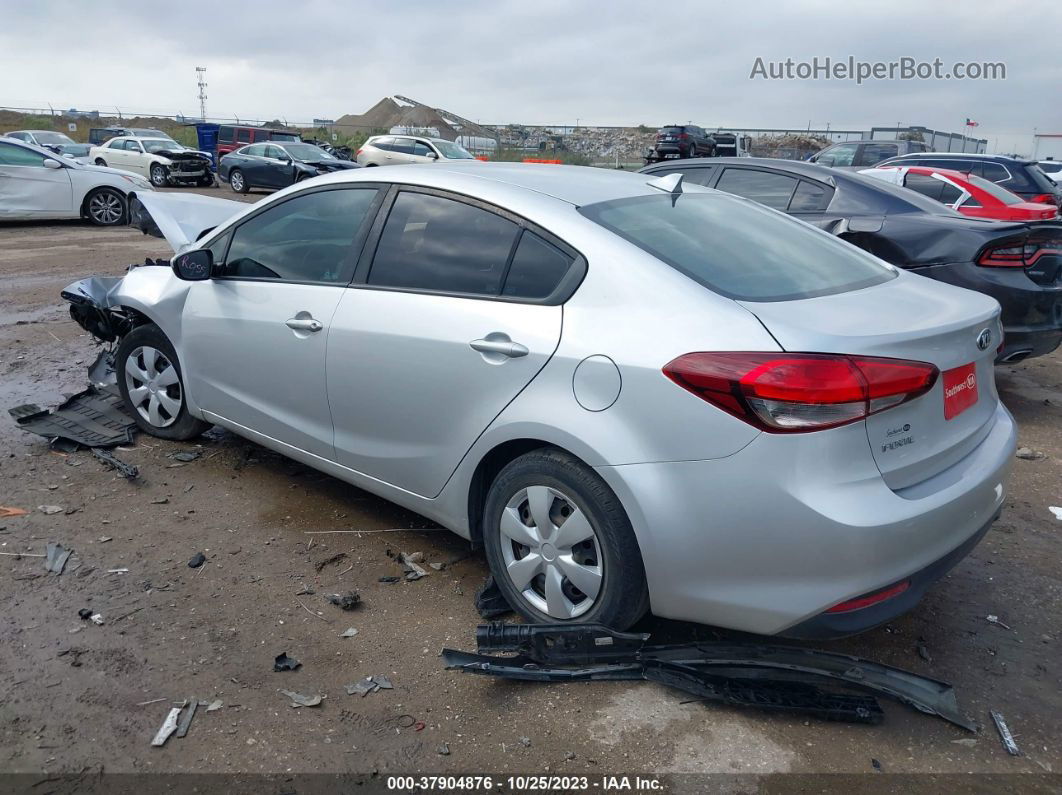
x=36, y=183
x=162, y=160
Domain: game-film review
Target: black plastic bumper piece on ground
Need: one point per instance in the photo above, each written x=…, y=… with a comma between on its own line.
x=771, y=677
x=90, y=418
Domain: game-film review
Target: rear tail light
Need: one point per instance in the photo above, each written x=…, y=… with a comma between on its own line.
x=1045, y=198
x=1019, y=256
x=684, y=136
x=799, y=392
x=357, y=153
x=871, y=598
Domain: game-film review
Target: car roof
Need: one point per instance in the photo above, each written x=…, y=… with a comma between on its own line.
x=576, y=185
x=967, y=156
x=799, y=167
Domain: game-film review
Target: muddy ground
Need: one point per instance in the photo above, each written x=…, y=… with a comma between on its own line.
x=77, y=698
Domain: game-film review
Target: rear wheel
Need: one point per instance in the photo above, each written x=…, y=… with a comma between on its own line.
x=237, y=181
x=106, y=207
x=150, y=380
x=560, y=545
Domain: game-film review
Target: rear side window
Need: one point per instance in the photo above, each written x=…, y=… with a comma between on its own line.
x=969, y=166
x=738, y=249
x=387, y=144
x=949, y=194
x=995, y=172
x=438, y=244
x=924, y=184
x=873, y=154
x=243, y=136
x=810, y=197
x=309, y=238
x=537, y=268
x=403, y=145
x=774, y=190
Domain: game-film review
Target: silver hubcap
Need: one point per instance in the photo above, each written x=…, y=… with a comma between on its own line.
x=105, y=208
x=153, y=386
x=551, y=553
x=237, y=181
x=158, y=176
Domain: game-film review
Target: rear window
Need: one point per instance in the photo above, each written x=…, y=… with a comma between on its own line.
x=278, y=136
x=739, y=249
x=672, y=130
x=997, y=191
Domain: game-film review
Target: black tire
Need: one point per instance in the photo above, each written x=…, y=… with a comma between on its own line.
x=101, y=162
x=106, y=207
x=207, y=181
x=179, y=426
x=236, y=177
x=159, y=176
x=623, y=596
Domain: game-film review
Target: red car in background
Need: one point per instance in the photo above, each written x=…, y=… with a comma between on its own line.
x=971, y=195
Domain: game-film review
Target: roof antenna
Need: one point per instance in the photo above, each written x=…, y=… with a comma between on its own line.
x=672, y=183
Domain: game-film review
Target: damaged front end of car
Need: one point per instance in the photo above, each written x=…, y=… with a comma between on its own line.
x=187, y=166
x=109, y=307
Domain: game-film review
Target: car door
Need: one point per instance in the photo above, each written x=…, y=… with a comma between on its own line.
x=136, y=159
x=254, y=336
x=277, y=168
x=453, y=316
x=254, y=166
x=401, y=151
x=29, y=189
x=423, y=152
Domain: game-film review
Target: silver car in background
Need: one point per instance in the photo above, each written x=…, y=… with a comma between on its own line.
x=635, y=395
x=397, y=150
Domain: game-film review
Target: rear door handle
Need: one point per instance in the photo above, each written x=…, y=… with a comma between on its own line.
x=514, y=350
x=304, y=324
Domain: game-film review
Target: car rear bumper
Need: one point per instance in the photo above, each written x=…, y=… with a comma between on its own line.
x=768, y=539
x=1031, y=312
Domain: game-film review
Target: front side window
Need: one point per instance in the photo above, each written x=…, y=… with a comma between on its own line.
x=421, y=149
x=842, y=154
x=225, y=135
x=434, y=243
x=739, y=249
x=17, y=156
x=243, y=136
x=254, y=150
x=309, y=238
x=764, y=187
x=403, y=145
x=276, y=153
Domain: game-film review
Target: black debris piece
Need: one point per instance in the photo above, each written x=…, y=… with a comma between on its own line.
x=186, y=719
x=84, y=614
x=90, y=418
x=128, y=471
x=923, y=650
x=409, y=563
x=197, y=560
x=490, y=602
x=347, y=601
x=56, y=559
x=187, y=456
x=781, y=678
x=285, y=663
x=876, y=764
x=389, y=579
x=336, y=558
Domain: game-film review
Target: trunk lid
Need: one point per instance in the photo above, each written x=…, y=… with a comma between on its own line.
x=909, y=317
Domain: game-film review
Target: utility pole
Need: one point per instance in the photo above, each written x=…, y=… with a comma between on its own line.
x=200, y=72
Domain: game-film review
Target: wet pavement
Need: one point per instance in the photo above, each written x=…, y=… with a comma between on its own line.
x=79, y=696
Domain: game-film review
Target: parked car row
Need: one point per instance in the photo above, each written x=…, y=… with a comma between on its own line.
x=651, y=451
x=1018, y=264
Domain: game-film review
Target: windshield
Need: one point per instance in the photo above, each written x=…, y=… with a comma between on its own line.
x=154, y=146
x=994, y=190
x=1050, y=167
x=284, y=137
x=738, y=248
x=52, y=138
x=307, y=152
x=452, y=151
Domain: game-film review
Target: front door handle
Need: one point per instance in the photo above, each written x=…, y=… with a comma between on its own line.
x=514, y=350
x=304, y=324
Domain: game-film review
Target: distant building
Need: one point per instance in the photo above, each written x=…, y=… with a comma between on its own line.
x=1047, y=146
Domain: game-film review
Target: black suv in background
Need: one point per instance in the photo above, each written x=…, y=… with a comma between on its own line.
x=681, y=140
x=1023, y=177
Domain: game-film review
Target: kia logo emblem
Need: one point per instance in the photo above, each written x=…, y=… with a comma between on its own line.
x=984, y=339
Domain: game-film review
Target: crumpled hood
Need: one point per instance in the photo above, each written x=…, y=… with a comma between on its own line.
x=184, y=154
x=180, y=218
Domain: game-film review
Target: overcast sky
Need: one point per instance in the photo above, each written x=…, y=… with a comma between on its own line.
x=547, y=61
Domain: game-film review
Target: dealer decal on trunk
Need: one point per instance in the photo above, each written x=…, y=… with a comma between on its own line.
x=960, y=390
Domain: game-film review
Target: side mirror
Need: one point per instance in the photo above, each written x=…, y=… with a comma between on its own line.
x=193, y=266
x=433, y=155
x=49, y=163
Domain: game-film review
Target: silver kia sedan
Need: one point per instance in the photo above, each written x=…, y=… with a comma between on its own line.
x=634, y=394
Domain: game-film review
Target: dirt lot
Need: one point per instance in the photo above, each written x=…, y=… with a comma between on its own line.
x=79, y=698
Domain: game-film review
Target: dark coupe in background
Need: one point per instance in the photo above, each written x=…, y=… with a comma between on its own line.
x=276, y=165
x=1018, y=264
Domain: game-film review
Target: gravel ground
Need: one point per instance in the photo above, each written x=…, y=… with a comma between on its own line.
x=79, y=698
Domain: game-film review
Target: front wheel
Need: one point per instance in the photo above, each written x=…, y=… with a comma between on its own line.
x=106, y=207
x=150, y=380
x=159, y=177
x=207, y=180
x=560, y=545
x=101, y=162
